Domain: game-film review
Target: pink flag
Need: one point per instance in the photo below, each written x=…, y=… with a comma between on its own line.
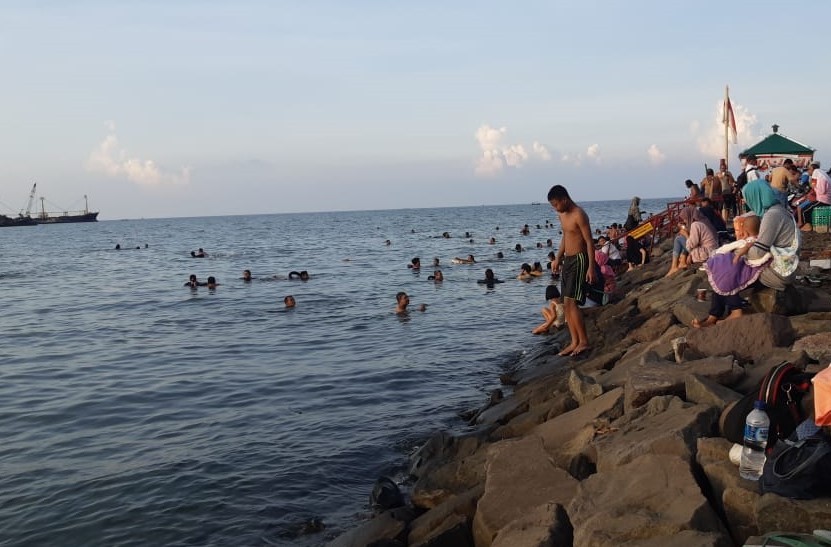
x=729, y=119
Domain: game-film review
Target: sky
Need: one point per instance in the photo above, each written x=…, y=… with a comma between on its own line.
x=214, y=107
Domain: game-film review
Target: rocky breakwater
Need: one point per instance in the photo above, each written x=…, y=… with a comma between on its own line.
x=621, y=448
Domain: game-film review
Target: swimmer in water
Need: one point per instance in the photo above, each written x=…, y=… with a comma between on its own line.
x=289, y=301
x=118, y=246
x=402, y=301
x=437, y=277
x=388, y=243
x=436, y=262
x=469, y=260
x=211, y=284
x=500, y=254
x=415, y=264
x=192, y=282
x=492, y=241
x=490, y=279
x=302, y=275
x=199, y=254
x=536, y=270
x=246, y=276
x=518, y=248
x=525, y=272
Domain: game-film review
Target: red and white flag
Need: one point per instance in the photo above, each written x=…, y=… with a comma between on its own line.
x=730, y=120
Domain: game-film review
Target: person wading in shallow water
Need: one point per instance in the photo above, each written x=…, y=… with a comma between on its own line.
x=575, y=257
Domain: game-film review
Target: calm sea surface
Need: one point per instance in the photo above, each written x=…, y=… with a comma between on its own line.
x=134, y=411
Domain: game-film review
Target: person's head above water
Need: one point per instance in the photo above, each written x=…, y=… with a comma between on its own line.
x=304, y=275
x=211, y=282
x=246, y=275
x=489, y=275
x=415, y=263
x=402, y=301
x=289, y=301
x=525, y=268
x=518, y=248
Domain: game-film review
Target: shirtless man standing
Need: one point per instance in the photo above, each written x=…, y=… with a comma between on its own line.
x=576, y=258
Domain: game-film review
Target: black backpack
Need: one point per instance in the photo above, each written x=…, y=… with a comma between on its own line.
x=741, y=180
x=799, y=469
x=782, y=390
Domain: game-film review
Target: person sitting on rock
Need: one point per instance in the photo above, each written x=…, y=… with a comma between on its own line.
x=778, y=235
x=552, y=313
x=695, y=241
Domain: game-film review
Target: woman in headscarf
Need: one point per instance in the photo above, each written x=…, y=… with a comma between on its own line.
x=695, y=241
x=634, y=216
x=778, y=235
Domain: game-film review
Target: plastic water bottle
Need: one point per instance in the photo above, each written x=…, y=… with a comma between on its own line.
x=756, y=429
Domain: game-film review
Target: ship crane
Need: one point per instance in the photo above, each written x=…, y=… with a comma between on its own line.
x=31, y=200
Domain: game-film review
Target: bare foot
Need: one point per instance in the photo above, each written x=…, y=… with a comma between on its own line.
x=567, y=350
x=671, y=271
x=580, y=350
x=735, y=314
x=698, y=323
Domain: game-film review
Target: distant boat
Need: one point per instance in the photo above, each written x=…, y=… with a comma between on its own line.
x=47, y=217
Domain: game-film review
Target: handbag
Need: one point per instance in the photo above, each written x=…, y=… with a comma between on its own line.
x=799, y=469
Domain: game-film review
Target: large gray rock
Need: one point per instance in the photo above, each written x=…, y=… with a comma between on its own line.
x=583, y=388
x=666, y=292
x=817, y=346
x=653, y=328
x=543, y=526
x=810, y=323
x=735, y=497
x=671, y=432
x=656, y=376
x=502, y=412
x=654, y=496
x=814, y=300
x=702, y=390
x=560, y=403
x=520, y=477
x=756, y=370
x=454, y=477
x=454, y=531
x=424, y=528
x=559, y=433
x=776, y=513
x=389, y=525
x=746, y=337
x=786, y=302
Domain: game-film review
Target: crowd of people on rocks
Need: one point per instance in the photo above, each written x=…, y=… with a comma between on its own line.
x=769, y=208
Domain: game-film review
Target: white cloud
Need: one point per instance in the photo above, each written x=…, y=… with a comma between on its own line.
x=541, y=151
x=109, y=158
x=593, y=152
x=496, y=155
x=656, y=157
x=711, y=137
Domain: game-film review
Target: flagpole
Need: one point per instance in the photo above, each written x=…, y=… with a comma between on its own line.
x=726, y=127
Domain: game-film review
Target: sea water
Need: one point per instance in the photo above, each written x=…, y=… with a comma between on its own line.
x=135, y=411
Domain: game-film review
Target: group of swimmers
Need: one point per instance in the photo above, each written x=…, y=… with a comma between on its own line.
x=289, y=301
